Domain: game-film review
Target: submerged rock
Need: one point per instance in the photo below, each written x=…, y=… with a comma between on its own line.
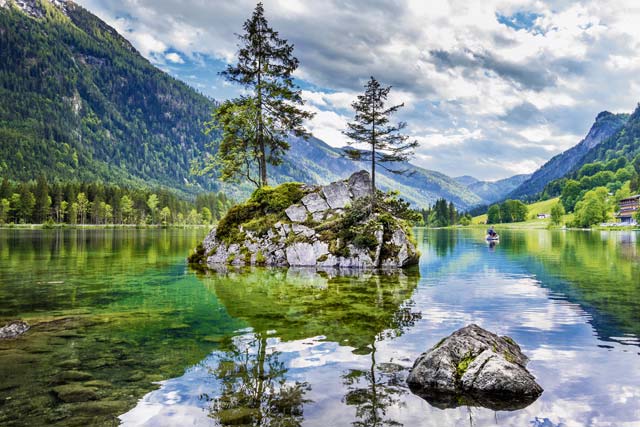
x=70, y=393
x=474, y=367
x=13, y=329
x=300, y=225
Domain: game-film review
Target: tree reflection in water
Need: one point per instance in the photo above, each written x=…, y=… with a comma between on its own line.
x=375, y=390
x=353, y=308
x=254, y=387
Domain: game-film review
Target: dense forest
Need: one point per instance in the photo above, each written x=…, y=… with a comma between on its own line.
x=39, y=201
x=442, y=214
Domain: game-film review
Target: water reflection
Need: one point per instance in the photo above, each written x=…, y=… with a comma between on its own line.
x=351, y=307
x=254, y=387
x=335, y=350
x=372, y=391
x=347, y=307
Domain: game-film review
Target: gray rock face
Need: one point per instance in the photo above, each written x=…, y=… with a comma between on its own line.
x=303, y=254
x=296, y=213
x=315, y=203
x=474, y=367
x=337, y=195
x=13, y=329
x=360, y=184
x=292, y=243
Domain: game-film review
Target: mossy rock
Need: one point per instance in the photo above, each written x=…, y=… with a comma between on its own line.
x=71, y=393
x=101, y=407
x=238, y=416
x=263, y=209
x=69, y=363
x=198, y=256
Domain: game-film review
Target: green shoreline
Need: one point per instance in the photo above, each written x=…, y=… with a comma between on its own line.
x=543, y=226
x=46, y=226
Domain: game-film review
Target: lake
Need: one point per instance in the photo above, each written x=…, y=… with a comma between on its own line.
x=124, y=332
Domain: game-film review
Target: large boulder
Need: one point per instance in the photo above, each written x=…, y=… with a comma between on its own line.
x=304, y=226
x=13, y=329
x=360, y=184
x=473, y=366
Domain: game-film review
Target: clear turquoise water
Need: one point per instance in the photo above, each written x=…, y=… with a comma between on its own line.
x=158, y=344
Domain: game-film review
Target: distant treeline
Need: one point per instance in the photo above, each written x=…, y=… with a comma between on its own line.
x=39, y=201
x=507, y=211
x=443, y=214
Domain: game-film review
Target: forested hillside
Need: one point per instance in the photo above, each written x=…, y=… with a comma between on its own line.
x=78, y=101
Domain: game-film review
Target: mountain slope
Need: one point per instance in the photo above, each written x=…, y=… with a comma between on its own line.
x=492, y=191
x=315, y=161
x=624, y=143
x=605, y=125
x=466, y=180
x=78, y=102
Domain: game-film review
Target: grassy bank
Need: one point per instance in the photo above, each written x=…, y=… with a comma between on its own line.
x=543, y=207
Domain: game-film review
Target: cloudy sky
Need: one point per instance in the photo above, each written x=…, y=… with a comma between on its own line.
x=492, y=88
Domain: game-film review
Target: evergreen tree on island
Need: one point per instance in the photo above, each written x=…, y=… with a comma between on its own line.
x=371, y=127
x=255, y=127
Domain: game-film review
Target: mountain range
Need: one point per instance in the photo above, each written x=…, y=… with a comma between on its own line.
x=79, y=102
x=605, y=126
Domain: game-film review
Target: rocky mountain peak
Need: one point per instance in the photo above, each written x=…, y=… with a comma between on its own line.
x=33, y=8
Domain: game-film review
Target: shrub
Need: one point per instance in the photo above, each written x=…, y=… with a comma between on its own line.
x=198, y=256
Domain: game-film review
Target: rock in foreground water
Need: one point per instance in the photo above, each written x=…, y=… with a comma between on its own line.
x=474, y=367
x=13, y=329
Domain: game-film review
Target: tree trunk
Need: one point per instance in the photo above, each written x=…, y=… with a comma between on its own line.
x=373, y=159
x=263, y=158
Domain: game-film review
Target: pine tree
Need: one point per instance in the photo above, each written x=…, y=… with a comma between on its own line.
x=371, y=127
x=255, y=127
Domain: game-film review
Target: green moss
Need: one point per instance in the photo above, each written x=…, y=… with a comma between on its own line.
x=389, y=250
x=75, y=393
x=231, y=258
x=297, y=238
x=509, y=340
x=463, y=365
x=246, y=254
x=227, y=230
x=261, y=225
x=508, y=357
x=276, y=200
x=71, y=376
x=365, y=240
x=322, y=258
x=263, y=209
x=260, y=259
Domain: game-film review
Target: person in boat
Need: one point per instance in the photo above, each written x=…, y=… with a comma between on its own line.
x=491, y=232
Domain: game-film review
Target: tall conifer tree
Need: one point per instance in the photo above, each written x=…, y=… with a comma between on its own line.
x=255, y=127
x=371, y=127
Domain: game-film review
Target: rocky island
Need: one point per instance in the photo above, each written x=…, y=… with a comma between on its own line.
x=330, y=226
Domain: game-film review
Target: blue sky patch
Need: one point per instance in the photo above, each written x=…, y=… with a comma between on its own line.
x=519, y=20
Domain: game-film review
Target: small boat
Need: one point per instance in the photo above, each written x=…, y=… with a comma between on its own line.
x=493, y=238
